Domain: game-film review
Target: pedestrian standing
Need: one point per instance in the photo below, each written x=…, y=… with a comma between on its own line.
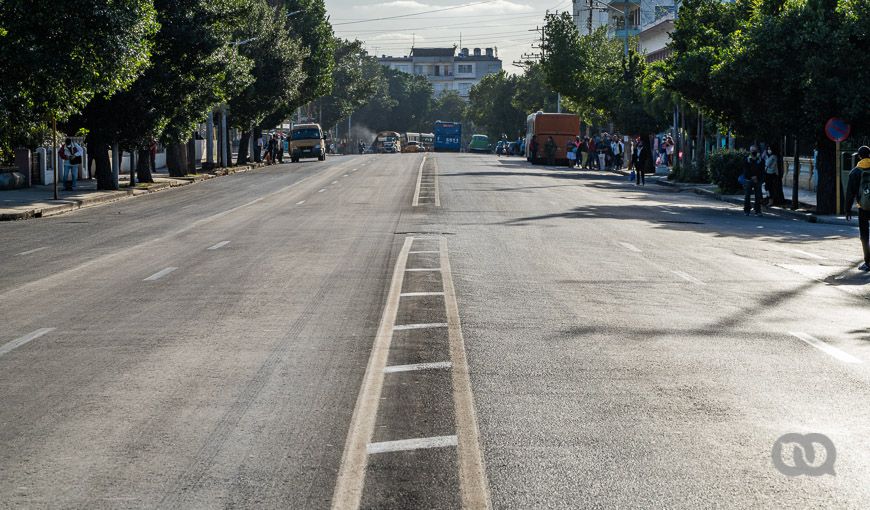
x=753, y=176
x=772, y=179
x=71, y=155
x=259, y=149
x=550, y=150
x=643, y=161
x=533, y=149
x=858, y=190
x=592, y=158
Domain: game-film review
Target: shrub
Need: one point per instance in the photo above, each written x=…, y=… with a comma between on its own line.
x=691, y=171
x=725, y=167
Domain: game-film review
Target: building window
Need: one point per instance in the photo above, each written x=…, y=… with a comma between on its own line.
x=464, y=69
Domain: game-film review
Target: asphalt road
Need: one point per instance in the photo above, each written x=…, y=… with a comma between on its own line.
x=406, y=332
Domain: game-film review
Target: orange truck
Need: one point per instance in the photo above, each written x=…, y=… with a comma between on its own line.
x=563, y=127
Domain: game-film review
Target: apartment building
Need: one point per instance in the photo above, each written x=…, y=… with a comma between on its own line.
x=445, y=69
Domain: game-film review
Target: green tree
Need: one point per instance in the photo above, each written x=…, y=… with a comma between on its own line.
x=491, y=106
x=277, y=70
x=448, y=106
x=356, y=78
x=308, y=23
x=55, y=59
x=404, y=107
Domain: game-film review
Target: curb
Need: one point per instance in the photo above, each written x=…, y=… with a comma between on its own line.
x=113, y=196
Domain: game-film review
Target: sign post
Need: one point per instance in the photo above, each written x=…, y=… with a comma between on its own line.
x=837, y=131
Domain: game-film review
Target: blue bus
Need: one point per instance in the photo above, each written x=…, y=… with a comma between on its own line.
x=447, y=136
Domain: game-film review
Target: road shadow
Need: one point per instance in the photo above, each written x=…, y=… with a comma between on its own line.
x=701, y=219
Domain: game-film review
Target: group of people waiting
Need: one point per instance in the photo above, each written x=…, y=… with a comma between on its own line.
x=762, y=168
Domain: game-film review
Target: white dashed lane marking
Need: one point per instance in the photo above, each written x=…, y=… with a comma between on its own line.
x=28, y=252
x=18, y=342
x=160, y=274
x=218, y=245
x=412, y=444
x=827, y=349
x=630, y=247
x=688, y=277
x=417, y=366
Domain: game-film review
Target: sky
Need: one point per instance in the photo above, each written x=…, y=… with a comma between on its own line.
x=502, y=24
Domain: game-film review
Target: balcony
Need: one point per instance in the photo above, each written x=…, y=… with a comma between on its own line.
x=632, y=31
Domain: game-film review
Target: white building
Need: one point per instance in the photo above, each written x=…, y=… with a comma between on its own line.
x=590, y=15
x=654, y=37
x=446, y=70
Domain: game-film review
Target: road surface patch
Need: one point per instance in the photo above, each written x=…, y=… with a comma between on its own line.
x=160, y=274
x=18, y=342
x=824, y=347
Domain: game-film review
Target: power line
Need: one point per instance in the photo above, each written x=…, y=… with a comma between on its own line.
x=414, y=14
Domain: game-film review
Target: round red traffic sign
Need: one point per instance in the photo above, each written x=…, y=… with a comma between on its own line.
x=837, y=129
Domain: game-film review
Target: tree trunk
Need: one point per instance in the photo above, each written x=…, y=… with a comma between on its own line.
x=132, y=167
x=176, y=159
x=143, y=165
x=796, y=175
x=242, y=157
x=258, y=135
x=826, y=198
x=98, y=150
x=191, y=156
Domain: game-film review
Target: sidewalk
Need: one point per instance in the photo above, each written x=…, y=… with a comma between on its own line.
x=38, y=201
x=806, y=200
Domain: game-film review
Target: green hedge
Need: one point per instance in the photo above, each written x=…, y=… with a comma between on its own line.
x=725, y=167
x=690, y=171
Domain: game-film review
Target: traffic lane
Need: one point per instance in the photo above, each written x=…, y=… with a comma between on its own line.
x=602, y=376
x=231, y=378
x=36, y=248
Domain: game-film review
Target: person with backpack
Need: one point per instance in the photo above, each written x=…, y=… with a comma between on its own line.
x=753, y=177
x=858, y=190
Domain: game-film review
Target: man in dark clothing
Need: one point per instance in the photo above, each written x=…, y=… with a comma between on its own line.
x=533, y=149
x=753, y=177
x=550, y=150
x=643, y=162
x=858, y=190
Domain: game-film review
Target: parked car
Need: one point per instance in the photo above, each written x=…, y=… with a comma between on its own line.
x=412, y=147
x=479, y=143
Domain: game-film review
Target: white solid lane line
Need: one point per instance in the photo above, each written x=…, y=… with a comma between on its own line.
x=416, y=294
x=417, y=366
x=630, y=247
x=423, y=251
x=412, y=444
x=18, y=342
x=399, y=327
x=827, y=349
x=422, y=269
x=688, y=277
x=160, y=274
x=218, y=245
x=300, y=202
x=334, y=182
x=28, y=252
x=473, y=484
